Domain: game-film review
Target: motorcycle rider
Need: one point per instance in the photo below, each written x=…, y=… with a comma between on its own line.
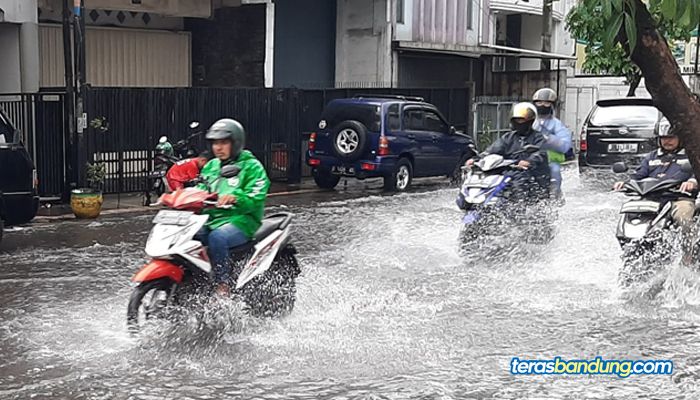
x=511, y=146
x=665, y=163
x=246, y=192
x=557, y=135
x=187, y=170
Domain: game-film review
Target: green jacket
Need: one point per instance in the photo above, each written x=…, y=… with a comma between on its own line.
x=250, y=188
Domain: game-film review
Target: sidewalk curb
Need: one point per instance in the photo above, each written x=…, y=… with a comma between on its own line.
x=144, y=209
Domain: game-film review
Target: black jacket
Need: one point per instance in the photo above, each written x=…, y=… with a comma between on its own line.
x=658, y=164
x=511, y=143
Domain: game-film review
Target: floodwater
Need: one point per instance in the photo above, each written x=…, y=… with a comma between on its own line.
x=387, y=308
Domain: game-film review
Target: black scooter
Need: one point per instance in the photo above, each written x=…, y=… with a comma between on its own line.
x=166, y=155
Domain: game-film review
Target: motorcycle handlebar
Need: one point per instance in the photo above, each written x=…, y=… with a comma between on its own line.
x=216, y=204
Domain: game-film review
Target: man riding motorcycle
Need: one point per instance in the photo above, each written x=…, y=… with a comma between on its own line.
x=246, y=192
x=664, y=163
x=557, y=135
x=512, y=144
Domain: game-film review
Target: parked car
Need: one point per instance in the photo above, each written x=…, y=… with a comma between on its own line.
x=18, y=183
x=618, y=130
x=393, y=137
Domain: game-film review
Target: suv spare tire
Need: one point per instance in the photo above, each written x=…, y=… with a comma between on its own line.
x=349, y=140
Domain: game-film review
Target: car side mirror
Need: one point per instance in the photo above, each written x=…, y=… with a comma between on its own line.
x=619, y=167
x=229, y=171
x=686, y=166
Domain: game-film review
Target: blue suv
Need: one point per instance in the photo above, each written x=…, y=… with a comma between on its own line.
x=393, y=137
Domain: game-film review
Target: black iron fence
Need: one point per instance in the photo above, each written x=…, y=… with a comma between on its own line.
x=40, y=118
x=124, y=125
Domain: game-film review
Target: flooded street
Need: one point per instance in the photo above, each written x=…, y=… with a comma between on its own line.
x=386, y=308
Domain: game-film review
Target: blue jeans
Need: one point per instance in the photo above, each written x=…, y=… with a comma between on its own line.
x=555, y=170
x=219, y=241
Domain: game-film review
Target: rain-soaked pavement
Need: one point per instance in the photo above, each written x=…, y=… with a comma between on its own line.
x=387, y=308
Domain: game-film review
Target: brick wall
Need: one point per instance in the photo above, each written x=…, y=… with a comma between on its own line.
x=229, y=49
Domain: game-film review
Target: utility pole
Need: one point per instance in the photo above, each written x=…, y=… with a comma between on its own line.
x=546, y=32
x=79, y=43
x=69, y=101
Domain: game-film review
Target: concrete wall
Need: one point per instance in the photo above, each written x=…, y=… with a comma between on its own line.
x=230, y=49
x=363, y=43
x=9, y=63
x=19, y=36
x=19, y=11
x=304, y=52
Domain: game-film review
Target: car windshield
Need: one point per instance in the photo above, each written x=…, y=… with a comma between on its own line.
x=338, y=112
x=628, y=115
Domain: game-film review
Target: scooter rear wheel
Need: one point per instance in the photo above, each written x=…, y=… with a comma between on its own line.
x=148, y=300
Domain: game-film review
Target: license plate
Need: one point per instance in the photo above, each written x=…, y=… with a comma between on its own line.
x=343, y=170
x=622, y=148
x=172, y=217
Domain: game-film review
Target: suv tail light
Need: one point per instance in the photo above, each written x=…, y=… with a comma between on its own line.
x=312, y=141
x=583, y=144
x=383, y=146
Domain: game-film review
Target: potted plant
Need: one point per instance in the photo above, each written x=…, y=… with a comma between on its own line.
x=87, y=202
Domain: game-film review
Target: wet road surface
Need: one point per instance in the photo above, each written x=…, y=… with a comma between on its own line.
x=387, y=308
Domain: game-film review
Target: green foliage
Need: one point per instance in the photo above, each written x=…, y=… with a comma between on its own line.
x=609, y=28
x=95, y=174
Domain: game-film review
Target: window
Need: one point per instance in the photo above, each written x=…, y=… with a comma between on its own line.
x=628, y=115
x=6, y=131
x=470, y=14
x=434, y=123
x=413, y=120
x=400, y=12
x=394, y=120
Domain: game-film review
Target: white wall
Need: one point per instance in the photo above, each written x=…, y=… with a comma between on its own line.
x=363, y=43
x=19, y=10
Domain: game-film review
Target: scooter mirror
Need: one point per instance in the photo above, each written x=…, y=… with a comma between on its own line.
x=619, y=167
x=229, y=171
x=194, y=124
x=163, y=139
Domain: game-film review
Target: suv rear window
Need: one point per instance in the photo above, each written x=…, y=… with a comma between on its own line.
x=629, y=115
x=368, y=115
x=6, y=132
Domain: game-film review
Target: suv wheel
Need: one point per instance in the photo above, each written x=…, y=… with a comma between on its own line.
x=324, y=179
x=401, y=178
x=350, y=140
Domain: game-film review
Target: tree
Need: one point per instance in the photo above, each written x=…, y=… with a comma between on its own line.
x=605, y=57
x=635, y=26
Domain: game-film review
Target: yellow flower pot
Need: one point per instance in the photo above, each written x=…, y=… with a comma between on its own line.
x=86, y=203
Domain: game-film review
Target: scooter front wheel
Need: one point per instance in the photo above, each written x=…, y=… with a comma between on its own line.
x=148, y=300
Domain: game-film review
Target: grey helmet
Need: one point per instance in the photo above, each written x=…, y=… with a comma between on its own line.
x=664, y=128
x=228, y=129
x=545, y=94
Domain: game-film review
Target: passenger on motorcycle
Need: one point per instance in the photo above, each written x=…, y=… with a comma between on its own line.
x=664, y=163
x=512, y=144
x=185, y=171
x=557, y=135
x=246, y=193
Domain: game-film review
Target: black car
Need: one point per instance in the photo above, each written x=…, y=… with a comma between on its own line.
x=19, y=201
x=618, y=130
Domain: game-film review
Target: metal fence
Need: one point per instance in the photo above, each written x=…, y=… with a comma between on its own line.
x=40, y=119
x=124, y=125
x=491, y=119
